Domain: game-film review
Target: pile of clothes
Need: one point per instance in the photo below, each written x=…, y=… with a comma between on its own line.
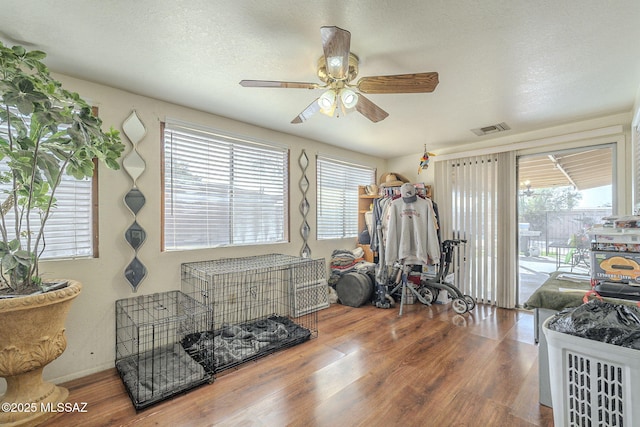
x=344, y=261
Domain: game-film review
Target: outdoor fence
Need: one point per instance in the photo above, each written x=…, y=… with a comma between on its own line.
x=562, y=228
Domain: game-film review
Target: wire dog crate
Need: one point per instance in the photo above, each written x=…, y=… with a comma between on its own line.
x=150, y=357
x=259, y=305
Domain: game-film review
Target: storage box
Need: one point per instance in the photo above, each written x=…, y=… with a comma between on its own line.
x=615, y=247
x=443, y=298
x=430, y=272
x=591, y=381
x=615, y=266
x=618, y=290
x=631, y=221
x=615, y=235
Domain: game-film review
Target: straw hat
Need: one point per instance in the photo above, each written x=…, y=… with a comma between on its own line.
x=392, y=179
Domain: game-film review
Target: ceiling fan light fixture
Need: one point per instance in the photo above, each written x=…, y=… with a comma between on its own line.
x=334, y=61
x=327, y=100
x=349, y=98
x=334, y=65
x=337, y=68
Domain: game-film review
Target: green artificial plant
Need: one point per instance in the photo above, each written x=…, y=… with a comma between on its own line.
x=45, y=131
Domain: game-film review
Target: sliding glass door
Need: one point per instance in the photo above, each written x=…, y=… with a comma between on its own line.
x=561, y=194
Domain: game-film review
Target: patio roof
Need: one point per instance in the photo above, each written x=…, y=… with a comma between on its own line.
x=581, y=169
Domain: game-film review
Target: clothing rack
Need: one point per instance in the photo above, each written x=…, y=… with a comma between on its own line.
x=407, y=235
x=388, y=194
x=384, y=240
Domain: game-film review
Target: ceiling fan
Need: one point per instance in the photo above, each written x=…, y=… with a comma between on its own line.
x=337, y=68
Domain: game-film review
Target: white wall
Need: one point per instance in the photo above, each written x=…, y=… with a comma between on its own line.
x=90, y=327
x=571, y=135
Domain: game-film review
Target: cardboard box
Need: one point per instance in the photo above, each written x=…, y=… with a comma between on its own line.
x=615, y=235
x=449, y=278
x=443, y=297
x=615, y=266
x=615, y=247
x=631, y=221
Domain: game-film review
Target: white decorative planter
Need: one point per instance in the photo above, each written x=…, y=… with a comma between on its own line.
x=32, y=336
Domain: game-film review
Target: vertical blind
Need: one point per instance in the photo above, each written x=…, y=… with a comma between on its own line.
x=69, y=229
x=636, y=149
x=222, y=190
x=337, y=209
x=476, y=198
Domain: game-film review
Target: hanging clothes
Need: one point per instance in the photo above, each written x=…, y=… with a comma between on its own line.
x=376, y=217
x=411, y=231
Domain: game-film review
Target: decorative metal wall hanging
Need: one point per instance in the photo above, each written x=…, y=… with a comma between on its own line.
x=134, y=164
x=305, y=229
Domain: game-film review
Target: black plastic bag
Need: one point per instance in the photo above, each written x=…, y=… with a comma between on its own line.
x=601, y=321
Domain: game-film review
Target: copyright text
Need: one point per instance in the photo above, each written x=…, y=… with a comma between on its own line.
x=44, y=407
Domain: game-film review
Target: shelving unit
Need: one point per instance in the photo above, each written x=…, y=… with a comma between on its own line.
x=365, y=202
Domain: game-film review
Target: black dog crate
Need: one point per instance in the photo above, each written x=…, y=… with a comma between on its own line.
x=150, y=356
x=260, y=304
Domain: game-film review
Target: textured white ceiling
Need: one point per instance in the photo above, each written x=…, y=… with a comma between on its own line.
x=529, y=64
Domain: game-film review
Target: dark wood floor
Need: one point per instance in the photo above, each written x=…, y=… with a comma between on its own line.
x=368, y=367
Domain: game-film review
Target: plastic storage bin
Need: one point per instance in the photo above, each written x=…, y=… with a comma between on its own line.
x=591, y=381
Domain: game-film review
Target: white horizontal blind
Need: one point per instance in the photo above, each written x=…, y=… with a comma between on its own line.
x=69, y=229
x=222, y=190
x=338, y=183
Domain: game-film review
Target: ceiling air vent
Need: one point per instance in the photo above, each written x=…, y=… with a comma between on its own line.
x=500, y=127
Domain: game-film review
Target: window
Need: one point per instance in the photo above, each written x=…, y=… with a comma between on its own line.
x=636, y=148
x=69, y=231
x=338, y=183
x=222, y=190
x=73, y=207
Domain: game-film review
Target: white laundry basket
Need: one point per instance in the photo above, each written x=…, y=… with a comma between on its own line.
x=592, y=381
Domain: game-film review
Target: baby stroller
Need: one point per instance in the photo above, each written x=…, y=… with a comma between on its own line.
x=428, y=289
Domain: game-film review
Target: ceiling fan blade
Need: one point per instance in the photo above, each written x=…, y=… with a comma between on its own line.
x=268, y=83
x=400, y=83
x=370, y=110
x=336, y=44
x=313, y=108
